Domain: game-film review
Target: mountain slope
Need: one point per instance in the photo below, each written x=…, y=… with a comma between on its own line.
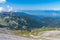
x=20, y=21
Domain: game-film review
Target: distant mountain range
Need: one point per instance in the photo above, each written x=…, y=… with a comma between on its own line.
x=25, y=21
x=50, y=13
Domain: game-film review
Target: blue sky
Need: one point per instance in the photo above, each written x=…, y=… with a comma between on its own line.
x=32, y=4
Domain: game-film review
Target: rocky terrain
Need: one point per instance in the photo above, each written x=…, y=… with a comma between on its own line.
x=11, y=37
x=47, y=35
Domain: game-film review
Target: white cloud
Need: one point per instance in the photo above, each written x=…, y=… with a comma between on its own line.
x=9, y=8
x=1, y=9
x=2, y=1
x=56, y=9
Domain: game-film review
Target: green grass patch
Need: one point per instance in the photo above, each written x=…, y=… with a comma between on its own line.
x=24, y=33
